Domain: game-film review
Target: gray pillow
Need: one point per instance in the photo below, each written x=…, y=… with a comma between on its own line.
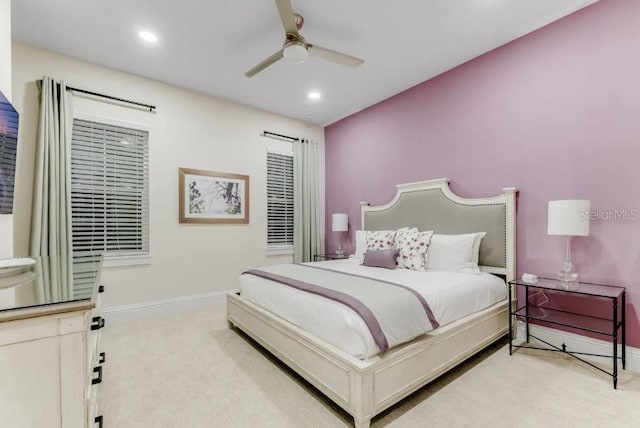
x=381, y=258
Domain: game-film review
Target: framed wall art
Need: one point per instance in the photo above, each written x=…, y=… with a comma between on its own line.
x=213, y=197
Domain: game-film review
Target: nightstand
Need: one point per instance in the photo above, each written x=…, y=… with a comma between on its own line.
x=320, y=257
x=612, y=326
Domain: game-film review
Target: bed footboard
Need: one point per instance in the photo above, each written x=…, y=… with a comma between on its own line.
x=364, y=388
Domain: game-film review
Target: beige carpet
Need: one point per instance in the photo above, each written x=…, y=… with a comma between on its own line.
x=187, y=369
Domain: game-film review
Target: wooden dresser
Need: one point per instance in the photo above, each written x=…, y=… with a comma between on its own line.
x=50, y=360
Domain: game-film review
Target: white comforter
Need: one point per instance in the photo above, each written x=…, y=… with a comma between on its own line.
x=451, y=296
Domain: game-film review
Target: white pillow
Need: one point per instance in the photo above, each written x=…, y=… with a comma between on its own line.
x=455, y=253
x=476, y=246
x=361, y=244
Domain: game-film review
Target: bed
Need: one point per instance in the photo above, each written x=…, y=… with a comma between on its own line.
x=367, y=386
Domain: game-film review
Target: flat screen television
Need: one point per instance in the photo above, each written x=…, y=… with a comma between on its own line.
x=8, y=149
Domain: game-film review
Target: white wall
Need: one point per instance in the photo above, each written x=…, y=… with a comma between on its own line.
x=189, y=130
x=6, y=223
x=5, y=48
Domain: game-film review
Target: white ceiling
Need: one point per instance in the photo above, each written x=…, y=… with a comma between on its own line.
x=207, y=45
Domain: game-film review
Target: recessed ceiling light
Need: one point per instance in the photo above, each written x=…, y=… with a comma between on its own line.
x=148, y=36
x=314, y=95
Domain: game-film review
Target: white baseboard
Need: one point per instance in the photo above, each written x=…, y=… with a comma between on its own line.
x=158, y=307
x=576, y=342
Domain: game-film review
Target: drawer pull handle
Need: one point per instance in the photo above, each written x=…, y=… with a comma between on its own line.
x=101, y=289
x=103, y=358
x=98, y=323
x=98, y=379
x=98, y=420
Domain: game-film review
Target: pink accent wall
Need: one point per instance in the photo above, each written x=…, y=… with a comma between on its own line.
x=555, y=113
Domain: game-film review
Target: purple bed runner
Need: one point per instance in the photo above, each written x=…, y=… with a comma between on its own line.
x=345, y=298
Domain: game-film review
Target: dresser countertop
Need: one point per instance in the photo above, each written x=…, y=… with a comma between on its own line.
x=24, y=300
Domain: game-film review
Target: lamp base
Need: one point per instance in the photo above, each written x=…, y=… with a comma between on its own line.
x=567, y=278
x=567, y=275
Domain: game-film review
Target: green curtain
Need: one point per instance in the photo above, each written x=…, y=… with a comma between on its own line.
x=51, y=211
x=306, y=194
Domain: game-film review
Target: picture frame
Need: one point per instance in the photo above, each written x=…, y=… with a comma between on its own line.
x=212, y=197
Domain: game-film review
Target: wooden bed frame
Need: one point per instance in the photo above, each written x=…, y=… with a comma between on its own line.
x=364, y=388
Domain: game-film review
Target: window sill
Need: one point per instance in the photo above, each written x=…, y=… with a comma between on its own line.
x=124, y=261
x=281, y=250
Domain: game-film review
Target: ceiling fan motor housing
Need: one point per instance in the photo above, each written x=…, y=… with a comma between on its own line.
x=295, y=51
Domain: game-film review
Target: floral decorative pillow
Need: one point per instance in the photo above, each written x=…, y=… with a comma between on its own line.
x=380, y=239
x=413, y=248
x=403, y=230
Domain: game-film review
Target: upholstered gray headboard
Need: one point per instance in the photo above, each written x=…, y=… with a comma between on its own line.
x=431, y=205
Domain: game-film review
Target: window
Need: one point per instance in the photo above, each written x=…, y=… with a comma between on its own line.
x=109, y=189
x=279, y=202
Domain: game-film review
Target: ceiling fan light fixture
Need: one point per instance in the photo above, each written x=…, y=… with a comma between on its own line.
x=148, y=36
x=295, y=52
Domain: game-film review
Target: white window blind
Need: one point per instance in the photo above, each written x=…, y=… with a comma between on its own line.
x=279, y=199
x=109, y=189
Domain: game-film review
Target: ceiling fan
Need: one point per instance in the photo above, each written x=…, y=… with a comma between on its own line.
x=296, y=49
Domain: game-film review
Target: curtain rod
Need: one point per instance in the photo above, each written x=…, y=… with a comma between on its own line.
x=151, y=108
x=273, y=134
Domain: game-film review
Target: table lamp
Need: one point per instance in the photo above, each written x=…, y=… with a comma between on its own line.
x=340, y=224
x=569, y=218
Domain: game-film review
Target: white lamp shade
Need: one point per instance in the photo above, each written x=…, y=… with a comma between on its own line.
x=570, y=217
x=340, y=223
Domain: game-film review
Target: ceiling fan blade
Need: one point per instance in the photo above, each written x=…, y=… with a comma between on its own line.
x=264, y=64
x=334, y=56
x=286, y=16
